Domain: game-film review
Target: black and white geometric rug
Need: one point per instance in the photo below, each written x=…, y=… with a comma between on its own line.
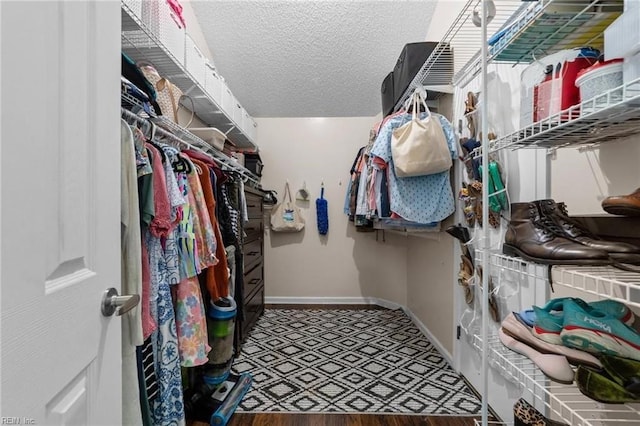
x=368, y=361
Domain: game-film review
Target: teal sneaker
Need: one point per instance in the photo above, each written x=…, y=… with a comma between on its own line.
x=597, y=332
x=548, y=320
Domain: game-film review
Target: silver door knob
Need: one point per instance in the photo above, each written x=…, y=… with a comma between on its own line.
x=111, y=302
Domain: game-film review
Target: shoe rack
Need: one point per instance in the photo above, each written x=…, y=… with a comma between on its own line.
x=607, y=117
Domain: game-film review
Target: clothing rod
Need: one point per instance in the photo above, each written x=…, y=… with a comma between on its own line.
x=220, y=159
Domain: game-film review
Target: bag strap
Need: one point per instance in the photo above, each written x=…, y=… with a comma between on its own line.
x=287, y=191
x=193, y=108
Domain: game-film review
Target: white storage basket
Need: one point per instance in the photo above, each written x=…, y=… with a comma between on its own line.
x=237, y=112
x=158, y=16
x=210, y=135
x=213, y=83
x=195, y=61
x=228, y=101
x=599, y=79
x=631, y=71
x=622, y=37
x=245, y=122
x=252, y=129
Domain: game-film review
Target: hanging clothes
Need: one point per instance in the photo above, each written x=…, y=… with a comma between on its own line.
x=168, y=407
x=177, y=200
x=131, y=275
x=217, y=283
x=421, y=199
x=187, y=248
x=205, y=237
x=191, y=324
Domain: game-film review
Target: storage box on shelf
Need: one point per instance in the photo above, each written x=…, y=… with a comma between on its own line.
x=141, y=43
x=195, y=62
x=631, y=68
x=596, y=120
x=157, y=16
x=237, y=112
x=213, y=83
x=600, y=78
x=211, y=136
x=622, y=37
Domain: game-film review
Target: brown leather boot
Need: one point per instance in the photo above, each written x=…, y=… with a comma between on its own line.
x=557, y=212
x=623, y=205
x=536, y=238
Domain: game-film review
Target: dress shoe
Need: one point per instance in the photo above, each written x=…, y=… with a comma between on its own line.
x=573, y=230
x=623, y=205
x=536, y=238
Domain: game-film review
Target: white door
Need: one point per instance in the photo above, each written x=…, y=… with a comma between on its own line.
x=60, y=231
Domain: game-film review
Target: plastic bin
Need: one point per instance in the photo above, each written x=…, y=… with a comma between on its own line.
x=600, y=78
x=558, y=90
x=158, y=16
x=631, y=70
x=221, y=320
x=228, y=101
x=213, y=83
x=195, y=61
x=622, y=37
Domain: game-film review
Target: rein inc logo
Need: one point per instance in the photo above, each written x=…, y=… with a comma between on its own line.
x=598, y=324
x=17, y=421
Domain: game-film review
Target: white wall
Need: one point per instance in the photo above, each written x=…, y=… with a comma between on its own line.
x=430, y=286
x=583, y=178
x=345, y=263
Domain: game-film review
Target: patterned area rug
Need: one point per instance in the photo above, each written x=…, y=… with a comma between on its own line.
x=368, y=361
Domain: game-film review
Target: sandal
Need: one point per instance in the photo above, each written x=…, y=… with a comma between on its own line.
x=494, y=310
x=465, y=277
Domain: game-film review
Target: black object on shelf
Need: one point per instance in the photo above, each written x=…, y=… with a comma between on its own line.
x=388, y=95
x=253, y=163
x=411, y=60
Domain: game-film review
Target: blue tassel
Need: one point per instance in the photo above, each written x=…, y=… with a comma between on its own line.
x=322, y=210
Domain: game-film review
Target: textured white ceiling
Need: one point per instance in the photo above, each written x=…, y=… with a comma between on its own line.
x=310, y=58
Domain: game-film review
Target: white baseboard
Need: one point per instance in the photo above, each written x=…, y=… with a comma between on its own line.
x=271, y=300
x=423, y=328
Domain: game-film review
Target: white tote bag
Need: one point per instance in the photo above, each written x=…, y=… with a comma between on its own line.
x=419, y=147
x=286, y=216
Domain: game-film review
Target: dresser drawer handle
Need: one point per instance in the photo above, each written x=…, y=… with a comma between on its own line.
x=253, y=253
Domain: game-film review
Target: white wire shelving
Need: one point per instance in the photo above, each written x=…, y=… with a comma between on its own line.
x=141, y=43
x=602, y=281
x=457, y=47
x=608, y=116
x=187, y=139
x=544, y=27
x=562, y=402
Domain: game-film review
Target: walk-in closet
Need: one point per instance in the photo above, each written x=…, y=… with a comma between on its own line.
x=290, y=213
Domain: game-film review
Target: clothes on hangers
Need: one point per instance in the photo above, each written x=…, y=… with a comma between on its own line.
x=375, y=191
x=178, y=199
x=420, y=199
x=131, y=274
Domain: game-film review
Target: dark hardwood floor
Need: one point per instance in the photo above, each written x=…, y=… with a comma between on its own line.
x=320, y=419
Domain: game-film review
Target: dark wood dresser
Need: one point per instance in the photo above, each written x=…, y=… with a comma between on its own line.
x=253, y=255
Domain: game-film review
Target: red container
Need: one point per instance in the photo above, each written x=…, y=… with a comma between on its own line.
x=558, y=91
